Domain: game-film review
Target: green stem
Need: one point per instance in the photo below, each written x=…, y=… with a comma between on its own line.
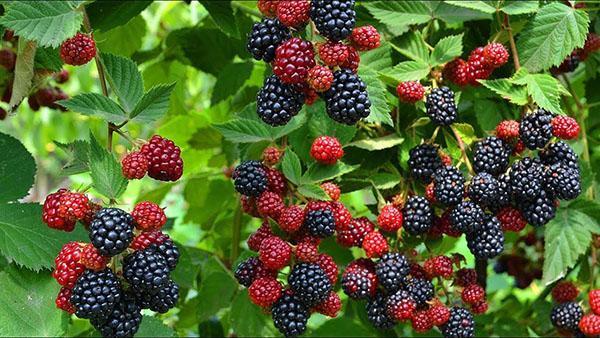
x=463, y=151
x=246, y=9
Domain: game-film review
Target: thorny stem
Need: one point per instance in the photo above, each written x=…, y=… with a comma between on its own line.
x=461, y=145
x=511, y=39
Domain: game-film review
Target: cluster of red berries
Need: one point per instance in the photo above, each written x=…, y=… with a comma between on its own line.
x=160, y=158
x=47, y=96
x=479, y=66
x=570, y=63
x=568, y=316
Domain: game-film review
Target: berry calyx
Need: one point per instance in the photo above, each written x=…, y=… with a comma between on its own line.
x=78, y=50
x=410, y=91
x=148, y=216
x=326, y=150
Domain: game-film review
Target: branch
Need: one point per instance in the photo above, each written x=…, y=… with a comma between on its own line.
x=481, y=268
x=461, y=145
x=511, y=39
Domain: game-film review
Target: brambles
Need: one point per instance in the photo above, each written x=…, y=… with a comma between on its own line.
x=479, y=66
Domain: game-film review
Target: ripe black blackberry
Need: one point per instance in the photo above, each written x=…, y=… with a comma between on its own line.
x=146, y=270
x=320, y=223
x=448, y=185
x=484, y=189
x=358, y=284
x=526, y=178
x=460, y=324
x=420, y=290
x=265, y=37
x=559, y=152
x=95, y=294
x=250, y=269
x=441, y=107
x=347, y=101
x=540, y=210
x=488, y=242
x=535, y=129
x=491, y=156
x=309, y=283
x=466, y=217
x=334, y=19
x=162, y=300
x=290, y=315
x=392, y=270
x=562, y=181
x=170, y=252
x=250, y=178
x=423, y=161
x=123, y=321
x=377, y=314
x=111, y=231
x=504, y=193
x=277, y=102
x=417, y=214
x=566, y=316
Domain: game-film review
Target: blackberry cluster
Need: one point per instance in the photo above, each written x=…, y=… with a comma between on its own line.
x=423, y=161
x=536, y=129
x=146, y=269
x=449, y=185
x=320, y=223
x=559, y=152
x=111, y=231
x=347, y=101
x=161, y=301
x=334, y=19
x=526, y=178
x=441, y=106
x=392, y=270
x=95, y=294
x=540, y=210
x=488, y=242
x=563, y=181
x=124, y=320
x=277, y=102
x=420, y=290
x=309, y=283
x=460, y=324
x=491, y=156
x=418, y=215
x=265, y=37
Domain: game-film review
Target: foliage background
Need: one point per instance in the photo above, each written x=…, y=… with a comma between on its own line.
x=201, y=47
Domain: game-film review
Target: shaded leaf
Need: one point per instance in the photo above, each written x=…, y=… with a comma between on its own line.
x=17, y=171
x=23, y=72
x=125, y=80
x=380, y=111
x=319, y=172
x=108, y=14
x=222, y=14
x=313, y=191
x=378, y=143
x=153, y=105
x=291, y=166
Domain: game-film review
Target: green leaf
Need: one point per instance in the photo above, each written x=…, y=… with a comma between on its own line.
x=378, y=58
x=517, y=7
x=49, y=23
x=106, y=15
x=313, y=191
x=78, y=153
x=125, y=80
x=373, y=144
x=447, y=49
x=93, y=104
x=17, y=171
x=454, y=14
x=380, y=111
x=154, y=327
x=342, y=327
x=244, y=131
x=545, y=91
x=217, y=288
x=291, y=166
x=412, y=45
x=385, y=180
x=230, y=80
x=318, y=172
x=222, y=14
x=48, y=58
x=247, y=319
x=481, y=6
x=123, y=40
x=399, y=14
x=27, y=306
x=153, y=105
x=568, y=236
x=23, y=72
x=28, y=242
x=552, y=35
x=407, y=71
x=295, y=123
x=107, y=177
x=465, y=131
x=507, y=90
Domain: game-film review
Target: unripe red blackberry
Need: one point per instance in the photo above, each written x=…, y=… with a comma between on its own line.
x=511, y=219
x=256, y=238
x=465, y=277
x=291, y=218
x=306, y=251
x=275, y=253
x=251, y=269
x=271, y=155
x=68, y=266
x=375, y=244
x=565, y=127
x=332, y=190
x=353, y=60
x=359, y=283
x=592, y=44
x=365, y=38
x=330, y=306
x=276, y=181
x=480, y=308
x=439, y=266
x=264, y=291
x=421, y=321
x=594, y=300
x=78, y=50
x=269, y=204
x=134, y=165
x=293, y=13
x=507, y=130
x=400, y=306
x=439, y=314
x=50, y=212
x=8, y=58
x=148, y=216
x=390, y=218
x=477, y=66
x=268, y=7
x=328, y=265
x=63, y=300
x=146, y=238
x=326, y=150
x=73, y=206
x=564, y=292
x=495, y=54
x=293, y=59
x=333, y=53
x=410, y=91
x=62, y=76
x=355, y=232
x=320, y=78
x=590, y=325
x=92, y=259
x=164, y=159
x=456, y=72
x=473, y=294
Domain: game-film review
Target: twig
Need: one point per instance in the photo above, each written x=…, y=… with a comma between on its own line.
x=461, y=145
x=511, y=39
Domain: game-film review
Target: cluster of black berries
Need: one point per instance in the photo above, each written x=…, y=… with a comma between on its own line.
x=301, y=78
x=567, y=315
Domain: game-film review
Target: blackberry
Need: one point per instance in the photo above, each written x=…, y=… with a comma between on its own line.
x=526, y=178
x=95, y=294
x=441, y=107
x=460, y=324
x=563, y=181
x=162, y=300
x=170, y=252
x=504, y=193
x=566, y=316
x=146, y=269
x=347, y=101
x=320, y=223
x=358, y=284
x=423, y=161
x=491, y=156
x=467, y=217
x=488, y=242
x=400, y=305
x=249, y=270
x=540, y=210
x=334, y=19
x=250, y=178
x=417, y=214
x=535, y=129
x=420, y=290
x=290, y=315
x=568, y=65
x=111, y=231
x=392, y=270
x=559, y=152
x=123, y=321
x=265, y=37
x=309, y=283
x=377, y=313
x=484, y=189
x=277, y=102
x=449, y=185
